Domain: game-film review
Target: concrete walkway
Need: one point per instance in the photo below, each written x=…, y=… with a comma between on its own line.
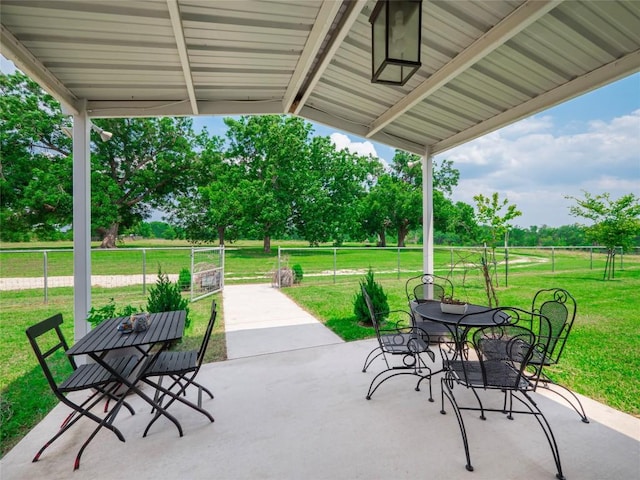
x=259, y=319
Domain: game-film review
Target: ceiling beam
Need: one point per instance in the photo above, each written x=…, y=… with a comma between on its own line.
x=333, y=121
x=14, y=50
x=142, y=108
x=338, y=36
x=181, y=44
x=328, y=11
x=604, y=75
x=354, y=128
x=511, y=25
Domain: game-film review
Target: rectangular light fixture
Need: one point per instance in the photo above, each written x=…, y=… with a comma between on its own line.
x=396, y=35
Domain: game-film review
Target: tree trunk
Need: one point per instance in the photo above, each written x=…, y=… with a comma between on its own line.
x=402, y=234
x=267, y=244
x=383, y=239
x=609, y=265
x=110, y=236
x=221, y=235
x=488, y=284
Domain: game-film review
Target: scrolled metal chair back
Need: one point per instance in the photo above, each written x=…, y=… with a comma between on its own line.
x=429, y=287
x=559, y=307
x=372, y=313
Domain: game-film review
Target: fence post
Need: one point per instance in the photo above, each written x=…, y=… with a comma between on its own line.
x=193, y=276
x=221, y=257
x=46, y=277
x=335, y=263
x=451, y=259
x=278, y=271
x=553, y=259
x=398, y=262
x=590, y=258
x=144, y=271
x=506, y=266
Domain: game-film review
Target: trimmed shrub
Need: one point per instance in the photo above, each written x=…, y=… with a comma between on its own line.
x=184, y=279
x=297, y=273
x=166, y=296
x=378, y=299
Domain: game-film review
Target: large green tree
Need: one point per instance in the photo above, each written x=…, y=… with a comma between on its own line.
x=396, y=199
x=146, y=163
x=270, y=151
x=615, y=222
x=328, y=194
x=453, y=223
x=399, y=205
x=212, y=207
x=35, y=165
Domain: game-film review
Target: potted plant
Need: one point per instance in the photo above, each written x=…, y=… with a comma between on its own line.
x=452, y=305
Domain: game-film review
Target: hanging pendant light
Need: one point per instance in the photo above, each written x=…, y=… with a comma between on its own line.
x=396, y=28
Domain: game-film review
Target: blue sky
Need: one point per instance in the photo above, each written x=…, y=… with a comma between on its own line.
x=590, y=143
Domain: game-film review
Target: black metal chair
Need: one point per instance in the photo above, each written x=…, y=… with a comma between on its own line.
x=496, y=361
x=181, y=368
x=50, y=346
x=425, y=287
x=408, y=342
x=559, y=306
x=428, y=286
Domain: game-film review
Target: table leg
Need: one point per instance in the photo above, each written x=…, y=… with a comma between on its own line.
x=176, y=396
x=132, y=388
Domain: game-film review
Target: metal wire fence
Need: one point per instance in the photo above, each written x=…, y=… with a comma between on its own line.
x=338, y=264
x=48, y=269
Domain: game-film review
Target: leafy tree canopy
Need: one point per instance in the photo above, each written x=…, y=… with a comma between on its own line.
x=488, y=214
x=35, y=166
x=616, y=223
x=269, y=150
x=146, y=163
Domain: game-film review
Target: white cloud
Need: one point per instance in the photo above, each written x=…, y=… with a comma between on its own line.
x=342, y=141
x=535, y=166
x=6, y=66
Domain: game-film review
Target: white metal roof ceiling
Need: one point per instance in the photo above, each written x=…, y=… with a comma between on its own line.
x=485, y=64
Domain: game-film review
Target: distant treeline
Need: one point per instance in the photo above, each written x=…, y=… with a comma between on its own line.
x=534, y=236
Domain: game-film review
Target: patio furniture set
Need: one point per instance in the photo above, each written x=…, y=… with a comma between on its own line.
x=488, y=351
x=112, y=376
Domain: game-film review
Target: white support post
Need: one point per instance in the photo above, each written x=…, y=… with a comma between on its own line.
x=81, y=222
x=427, y=212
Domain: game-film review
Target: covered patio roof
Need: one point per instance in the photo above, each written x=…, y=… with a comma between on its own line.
x=485, y=64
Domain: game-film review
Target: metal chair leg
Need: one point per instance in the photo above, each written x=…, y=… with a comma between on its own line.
x=447, y=392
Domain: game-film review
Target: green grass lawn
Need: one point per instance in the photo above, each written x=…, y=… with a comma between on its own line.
x=600, y=360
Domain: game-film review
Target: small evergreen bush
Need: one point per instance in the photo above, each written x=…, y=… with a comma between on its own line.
x=184, y=279
x=166, y=296
x=378, y=299
x=297, y=273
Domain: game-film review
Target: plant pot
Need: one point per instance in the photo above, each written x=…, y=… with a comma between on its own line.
x=453, y=308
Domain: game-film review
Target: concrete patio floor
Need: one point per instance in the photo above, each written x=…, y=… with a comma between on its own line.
x=301, y=414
